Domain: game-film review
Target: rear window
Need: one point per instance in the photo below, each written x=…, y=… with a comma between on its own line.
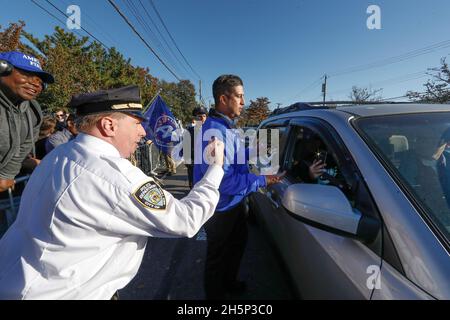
x=417, y=148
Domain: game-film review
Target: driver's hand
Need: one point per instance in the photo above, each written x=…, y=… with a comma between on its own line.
x=316, y=169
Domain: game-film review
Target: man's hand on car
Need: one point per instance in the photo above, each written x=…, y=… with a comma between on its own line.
x=272, y=179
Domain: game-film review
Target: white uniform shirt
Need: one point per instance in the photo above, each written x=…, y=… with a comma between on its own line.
x=84, y=219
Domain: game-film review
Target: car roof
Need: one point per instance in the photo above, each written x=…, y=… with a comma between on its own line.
x=367, y=110
x=390, y=109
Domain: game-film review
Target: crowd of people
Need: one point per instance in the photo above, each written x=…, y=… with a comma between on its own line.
x=86, y=212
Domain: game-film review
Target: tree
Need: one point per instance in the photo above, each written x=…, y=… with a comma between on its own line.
x=10, y=37
x=437, y=89
x=180, y=97
x=79, y=66
x=359, y=95
x=69, y=59
x=256, y=112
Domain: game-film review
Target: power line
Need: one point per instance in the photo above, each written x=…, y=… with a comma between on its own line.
x=52, y=15
x=391, y=81
x=104, y=45
x=391, y=60
x=309, y=87
x=173, y=40
x=143, y=40
x=393, y=98
x=49, y=13
x=95, y=25
x=149, y=32
x=394, y=59
x=163, y=38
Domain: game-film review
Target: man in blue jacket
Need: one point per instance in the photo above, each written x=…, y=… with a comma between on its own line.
x=227, y=229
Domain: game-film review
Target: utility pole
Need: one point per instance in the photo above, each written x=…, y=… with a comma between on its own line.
x=324, y=90
x=200, y=89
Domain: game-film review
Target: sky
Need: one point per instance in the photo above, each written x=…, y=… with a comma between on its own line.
x=281, y=49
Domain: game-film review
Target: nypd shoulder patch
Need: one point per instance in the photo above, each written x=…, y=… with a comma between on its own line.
x=151, y=196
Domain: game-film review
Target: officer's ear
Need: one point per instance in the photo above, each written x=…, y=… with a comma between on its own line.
x=108, y=126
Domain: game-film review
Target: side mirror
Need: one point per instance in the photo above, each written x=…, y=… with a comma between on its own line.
x=327, y=208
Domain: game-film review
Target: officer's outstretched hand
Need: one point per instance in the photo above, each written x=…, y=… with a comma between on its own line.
x=215, y=152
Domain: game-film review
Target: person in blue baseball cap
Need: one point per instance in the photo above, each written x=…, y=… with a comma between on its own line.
x=21, y=81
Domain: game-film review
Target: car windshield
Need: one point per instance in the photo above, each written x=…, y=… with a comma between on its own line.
x=417, y=148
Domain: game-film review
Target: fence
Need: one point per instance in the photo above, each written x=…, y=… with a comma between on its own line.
x=147, y=157
x=9, y=207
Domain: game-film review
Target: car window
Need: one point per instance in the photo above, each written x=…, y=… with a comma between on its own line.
x=271, y=144
x=416, y=147
x=309, y=152
x=313, y=139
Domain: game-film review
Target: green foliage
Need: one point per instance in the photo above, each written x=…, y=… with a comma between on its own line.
x=255, y=113
x=10, y=37
x=80, y=66
x=180, y=97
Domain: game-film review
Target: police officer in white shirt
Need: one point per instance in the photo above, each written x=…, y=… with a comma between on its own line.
x=86, y=212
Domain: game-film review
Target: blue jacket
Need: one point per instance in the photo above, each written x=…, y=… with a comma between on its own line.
x=237, y=181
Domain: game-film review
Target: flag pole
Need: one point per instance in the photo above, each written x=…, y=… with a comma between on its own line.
x=151, y=101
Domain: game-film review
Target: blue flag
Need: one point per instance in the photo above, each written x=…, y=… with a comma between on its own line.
x=160, y=125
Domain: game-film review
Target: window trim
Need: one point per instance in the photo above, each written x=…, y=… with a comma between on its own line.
x=279, y=123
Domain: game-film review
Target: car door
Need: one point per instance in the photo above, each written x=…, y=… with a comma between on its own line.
x=325, y=265
x=264, y=202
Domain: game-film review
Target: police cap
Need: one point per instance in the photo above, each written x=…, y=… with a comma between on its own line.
x=126, y=99
x=198, y=111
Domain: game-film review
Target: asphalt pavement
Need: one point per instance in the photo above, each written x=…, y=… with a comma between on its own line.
x=172, y=269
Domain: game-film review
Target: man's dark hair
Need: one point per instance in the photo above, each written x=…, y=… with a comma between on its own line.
x=224, y=84
x=71, y=117
x=198, y=111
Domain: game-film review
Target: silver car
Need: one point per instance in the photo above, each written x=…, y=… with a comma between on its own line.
x=376, y=223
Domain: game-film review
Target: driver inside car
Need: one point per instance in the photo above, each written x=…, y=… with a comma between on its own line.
x=313, y=163
x=308, y=166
